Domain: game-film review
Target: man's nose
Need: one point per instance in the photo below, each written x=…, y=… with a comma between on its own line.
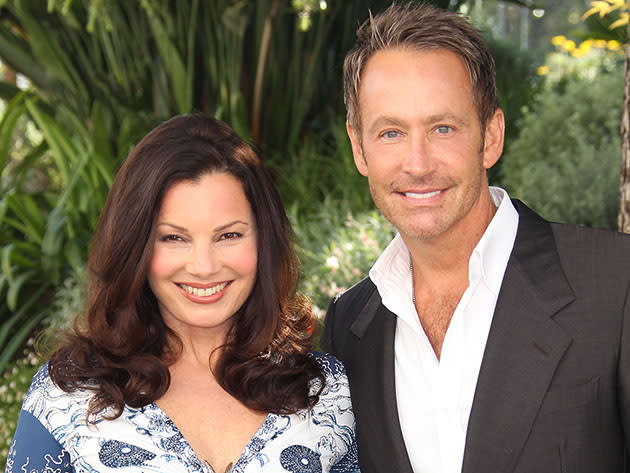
x=418, y=160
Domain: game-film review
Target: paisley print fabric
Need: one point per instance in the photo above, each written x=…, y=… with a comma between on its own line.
x=53, y=437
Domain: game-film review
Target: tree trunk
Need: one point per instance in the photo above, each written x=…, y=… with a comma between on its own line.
x=624, y=207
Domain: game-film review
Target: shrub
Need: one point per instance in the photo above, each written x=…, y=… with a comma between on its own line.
x=566, y=160
x=337, y=249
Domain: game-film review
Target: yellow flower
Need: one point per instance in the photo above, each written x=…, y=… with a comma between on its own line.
x=558, y=40
x=614, y=45
x=569, y=45
x=603, y=8
x=600, y=43
x=542, y=70
x=622, y=21
x=586, y=46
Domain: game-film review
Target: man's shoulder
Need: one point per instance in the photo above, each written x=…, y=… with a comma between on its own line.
x=576, y=239
x=591, y=247
x=597, y=236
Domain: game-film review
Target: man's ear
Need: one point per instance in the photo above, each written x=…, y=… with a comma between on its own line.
x=493, y=139
x=357, y=150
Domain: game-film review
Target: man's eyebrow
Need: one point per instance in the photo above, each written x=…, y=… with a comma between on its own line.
x=384, y=120
x=446, y=117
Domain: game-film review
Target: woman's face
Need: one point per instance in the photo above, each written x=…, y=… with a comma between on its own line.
x=204, y=256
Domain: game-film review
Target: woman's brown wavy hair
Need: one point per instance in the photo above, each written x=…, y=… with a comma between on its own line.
x=121, y=348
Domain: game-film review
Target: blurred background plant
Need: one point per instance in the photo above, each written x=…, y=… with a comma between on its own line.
x=566, y=159
x=85, y=79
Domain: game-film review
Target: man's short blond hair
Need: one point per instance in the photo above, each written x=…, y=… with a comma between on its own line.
x=420, y=28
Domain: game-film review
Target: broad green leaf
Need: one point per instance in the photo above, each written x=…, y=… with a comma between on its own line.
x=50, y=52
x=14, y=110
x=70, y=184
x=15, y=51
x=21, y=172
x=8, y=91
x=75, y=255
x=19, y=255
x=60, y=144
x=181, y=85
x=7, y=325
x=100, y=135
x=17, y=337
x=3, y=209
x=28, y=216
x=15, y=285
x=5, y=261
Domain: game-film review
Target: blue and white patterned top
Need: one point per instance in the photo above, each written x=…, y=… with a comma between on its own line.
x=53, y=437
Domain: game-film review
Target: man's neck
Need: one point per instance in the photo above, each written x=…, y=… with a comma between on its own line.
x=440, y=272
x=447, y=255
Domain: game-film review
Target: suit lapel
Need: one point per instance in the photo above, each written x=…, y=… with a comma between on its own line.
x=523, y=350
x=374, y=395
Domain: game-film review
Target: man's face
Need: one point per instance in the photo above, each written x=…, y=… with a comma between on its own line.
x=420, y=143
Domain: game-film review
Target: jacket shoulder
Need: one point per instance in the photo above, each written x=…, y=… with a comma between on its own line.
x=354, y=298
x=342, y=312
x=594, y=246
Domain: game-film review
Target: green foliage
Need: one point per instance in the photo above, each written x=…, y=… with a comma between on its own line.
x=566, y=160
x=338, y=231
x=517, y=80
x=517, y=83
x=45, y=230
x=322, y=168
x=337, y=249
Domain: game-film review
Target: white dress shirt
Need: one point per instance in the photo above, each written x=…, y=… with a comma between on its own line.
x=434, y=397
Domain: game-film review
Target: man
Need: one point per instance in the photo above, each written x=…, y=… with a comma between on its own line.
x=485, y=339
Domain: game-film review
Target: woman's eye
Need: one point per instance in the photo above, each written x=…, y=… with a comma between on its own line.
x=171, y=238
x=230, y=236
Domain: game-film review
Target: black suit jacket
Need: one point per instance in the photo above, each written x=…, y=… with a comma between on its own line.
x=553, y=393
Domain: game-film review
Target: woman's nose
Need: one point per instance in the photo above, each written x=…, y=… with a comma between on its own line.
x=203, y=261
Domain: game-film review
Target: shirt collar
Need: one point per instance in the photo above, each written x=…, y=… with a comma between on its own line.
x=392, y=276
x=495, y=246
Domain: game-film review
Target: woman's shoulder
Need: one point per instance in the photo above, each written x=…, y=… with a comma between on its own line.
x=331, y=366
x=336, y=385
x=41, y=384
x=321, y=438
x=44, y=398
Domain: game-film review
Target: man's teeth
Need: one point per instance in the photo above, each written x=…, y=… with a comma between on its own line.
x=421, y=196
x=198, y=291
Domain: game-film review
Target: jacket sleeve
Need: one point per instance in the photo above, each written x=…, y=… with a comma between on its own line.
x=623, y=372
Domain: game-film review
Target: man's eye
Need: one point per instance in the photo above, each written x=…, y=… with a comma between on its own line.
x=443, y=129
x=391, y=134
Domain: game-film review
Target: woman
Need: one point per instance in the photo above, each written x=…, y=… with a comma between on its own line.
x=193, y=352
